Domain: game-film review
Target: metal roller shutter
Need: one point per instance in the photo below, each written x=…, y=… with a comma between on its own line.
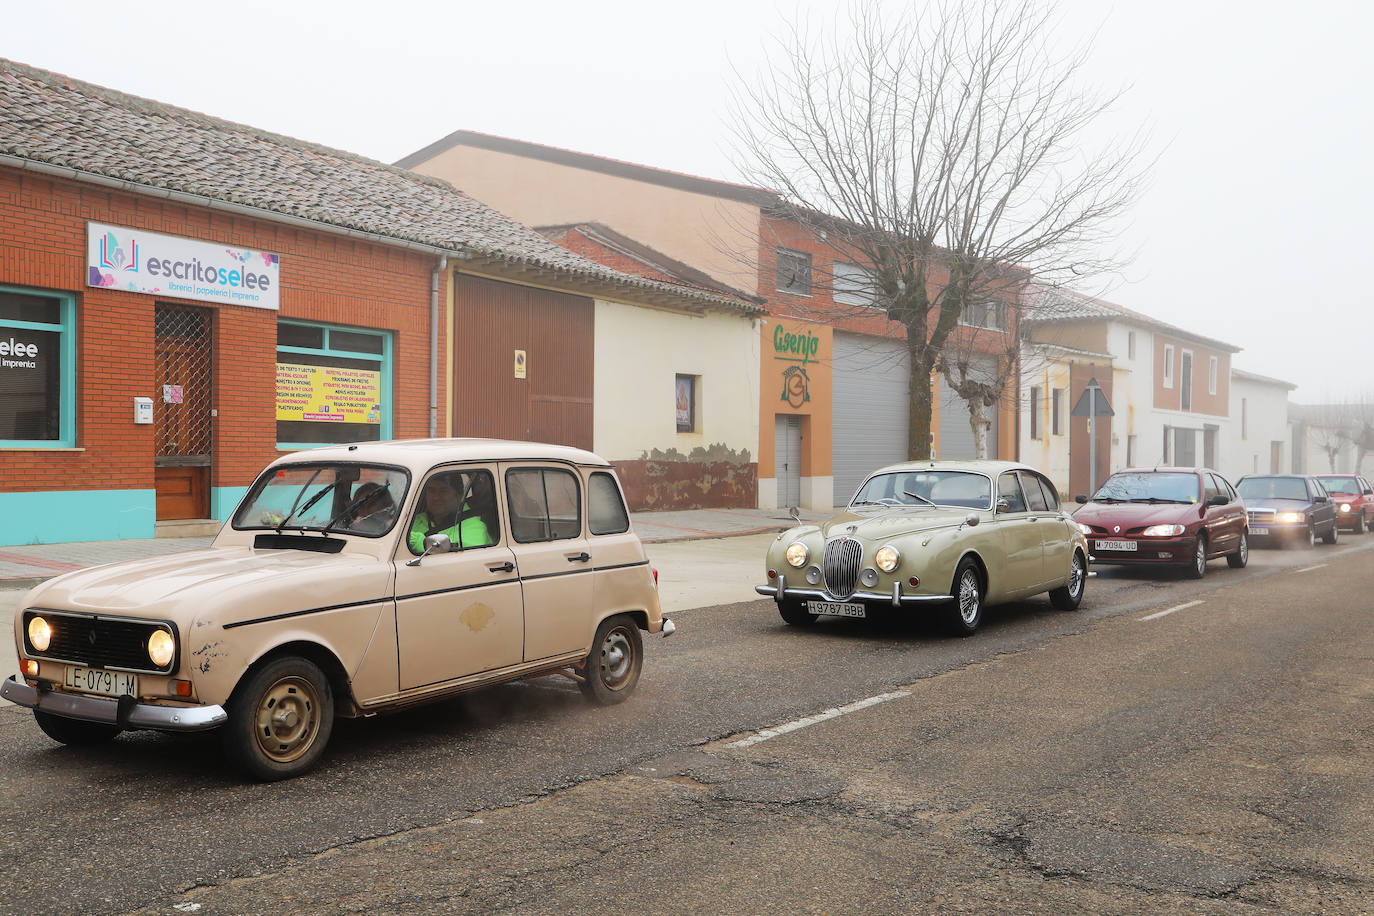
x=871, y=414
x=956, y=435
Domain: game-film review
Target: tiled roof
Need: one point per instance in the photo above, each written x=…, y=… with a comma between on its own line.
x=1055, y=306
x=619, y=250
x=56, y=121
x=1262, y=379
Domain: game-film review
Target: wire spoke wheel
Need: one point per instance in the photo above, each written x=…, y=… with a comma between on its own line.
x=968, y=596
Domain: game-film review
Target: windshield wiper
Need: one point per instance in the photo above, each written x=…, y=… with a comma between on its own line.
x=918, y=496
x=308, y=503
x=1159, y=499
x=348, y=509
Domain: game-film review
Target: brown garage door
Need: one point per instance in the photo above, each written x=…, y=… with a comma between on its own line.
x=553, y=403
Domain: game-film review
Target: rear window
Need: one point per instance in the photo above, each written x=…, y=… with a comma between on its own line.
x=606, y=512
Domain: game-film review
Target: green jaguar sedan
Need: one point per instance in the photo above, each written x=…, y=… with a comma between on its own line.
x=948, y=537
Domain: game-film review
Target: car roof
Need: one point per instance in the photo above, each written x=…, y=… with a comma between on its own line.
x=989, y=466
x=1165, y=469
x=422, y=454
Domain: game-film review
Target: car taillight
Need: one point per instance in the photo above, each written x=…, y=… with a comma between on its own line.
x=655, y=572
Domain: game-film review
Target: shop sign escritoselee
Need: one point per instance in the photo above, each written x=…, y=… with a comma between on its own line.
x=146, y=262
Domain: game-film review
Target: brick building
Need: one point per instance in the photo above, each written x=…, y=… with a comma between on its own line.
x=182, y=299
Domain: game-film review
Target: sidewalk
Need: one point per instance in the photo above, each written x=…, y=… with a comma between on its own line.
x=26, y=566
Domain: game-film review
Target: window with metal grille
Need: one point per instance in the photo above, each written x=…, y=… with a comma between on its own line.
x=333, y=384
x=37, y=369
x=183, y=423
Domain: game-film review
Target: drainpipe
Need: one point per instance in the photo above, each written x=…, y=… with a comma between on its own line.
x=434, y=345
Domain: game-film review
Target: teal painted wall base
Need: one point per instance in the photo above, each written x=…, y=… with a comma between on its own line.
x=224, y=500
x=57, y=517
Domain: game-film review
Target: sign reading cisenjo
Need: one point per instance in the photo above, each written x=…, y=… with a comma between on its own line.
x=145, y=262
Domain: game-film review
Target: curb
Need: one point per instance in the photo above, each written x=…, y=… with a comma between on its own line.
x=713, y=535
x=23, y=583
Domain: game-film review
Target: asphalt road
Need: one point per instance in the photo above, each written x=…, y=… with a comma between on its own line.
x=1216, y=759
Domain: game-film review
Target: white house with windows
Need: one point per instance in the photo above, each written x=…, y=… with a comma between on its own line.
x=1260, y=442
x=1169, y=388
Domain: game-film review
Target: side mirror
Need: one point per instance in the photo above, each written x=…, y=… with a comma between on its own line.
x=971, y=520
x=1321, y=499
x=435, y=543
x=1368, y=492
x=1080, y=499
x=1002, y=504
x=1218, y=499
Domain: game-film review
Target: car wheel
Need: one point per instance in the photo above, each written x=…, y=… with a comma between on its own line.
x=280, y=718
x=1333, y=535
x=613, y=666
x=1241, y=556
x=1308, y=539
x=1198, y=568
x=1068, y=597
x=967, y=591
x=74, y=731
x=1360, y=524
x=795, y=613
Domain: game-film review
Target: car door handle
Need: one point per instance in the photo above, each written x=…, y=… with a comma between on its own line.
x=580, y=557
x=507, y=566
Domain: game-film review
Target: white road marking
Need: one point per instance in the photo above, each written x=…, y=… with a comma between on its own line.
x=796, y=724
x=1179, y=607
x=1310, y=568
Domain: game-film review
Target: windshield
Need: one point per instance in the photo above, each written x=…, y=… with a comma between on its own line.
x=1348, y=485
x=1149, y=487
x=336, y=497
x=1272, y=488
x=926, y=488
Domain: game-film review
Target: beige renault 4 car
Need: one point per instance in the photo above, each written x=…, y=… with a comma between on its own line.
x=351, y=580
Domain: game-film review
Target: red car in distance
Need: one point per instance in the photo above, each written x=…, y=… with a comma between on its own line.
x=1165, y=517
x=1354, y=499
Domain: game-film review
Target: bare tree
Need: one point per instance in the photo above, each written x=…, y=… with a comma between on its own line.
x=943, y=152
x=1358, y=428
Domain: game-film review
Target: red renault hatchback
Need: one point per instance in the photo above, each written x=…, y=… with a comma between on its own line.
x=1166, y=516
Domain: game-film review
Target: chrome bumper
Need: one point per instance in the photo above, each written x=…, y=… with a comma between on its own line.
x=896, y=599
x=122, y=712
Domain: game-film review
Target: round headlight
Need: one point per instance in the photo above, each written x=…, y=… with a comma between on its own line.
x=813, y=575
x=869, y=577
x=796, y=554
x=887, y=558
x=40, y=634
x=161, y=648
x=1345, y=507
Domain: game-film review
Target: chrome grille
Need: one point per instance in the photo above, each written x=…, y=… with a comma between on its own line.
x=1260, y=515
x=843, y=557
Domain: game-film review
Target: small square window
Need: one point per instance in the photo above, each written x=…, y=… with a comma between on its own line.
x=794, y=272
x=686, y=399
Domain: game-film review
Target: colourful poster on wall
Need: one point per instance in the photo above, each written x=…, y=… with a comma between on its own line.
x=328, y=394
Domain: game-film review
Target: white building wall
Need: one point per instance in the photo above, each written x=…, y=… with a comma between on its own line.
x=638, y=354
x=1256, y=425
x=1133, y=398
x=1046, y=452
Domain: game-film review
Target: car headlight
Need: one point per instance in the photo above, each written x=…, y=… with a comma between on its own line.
x=1084, y=528
x=161, y=648
x=1345, y=507
x=1290, y=517
x=40, y=634
x=887, y=558
x=1163, y=531
x=796, y=554
x=869, y=577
